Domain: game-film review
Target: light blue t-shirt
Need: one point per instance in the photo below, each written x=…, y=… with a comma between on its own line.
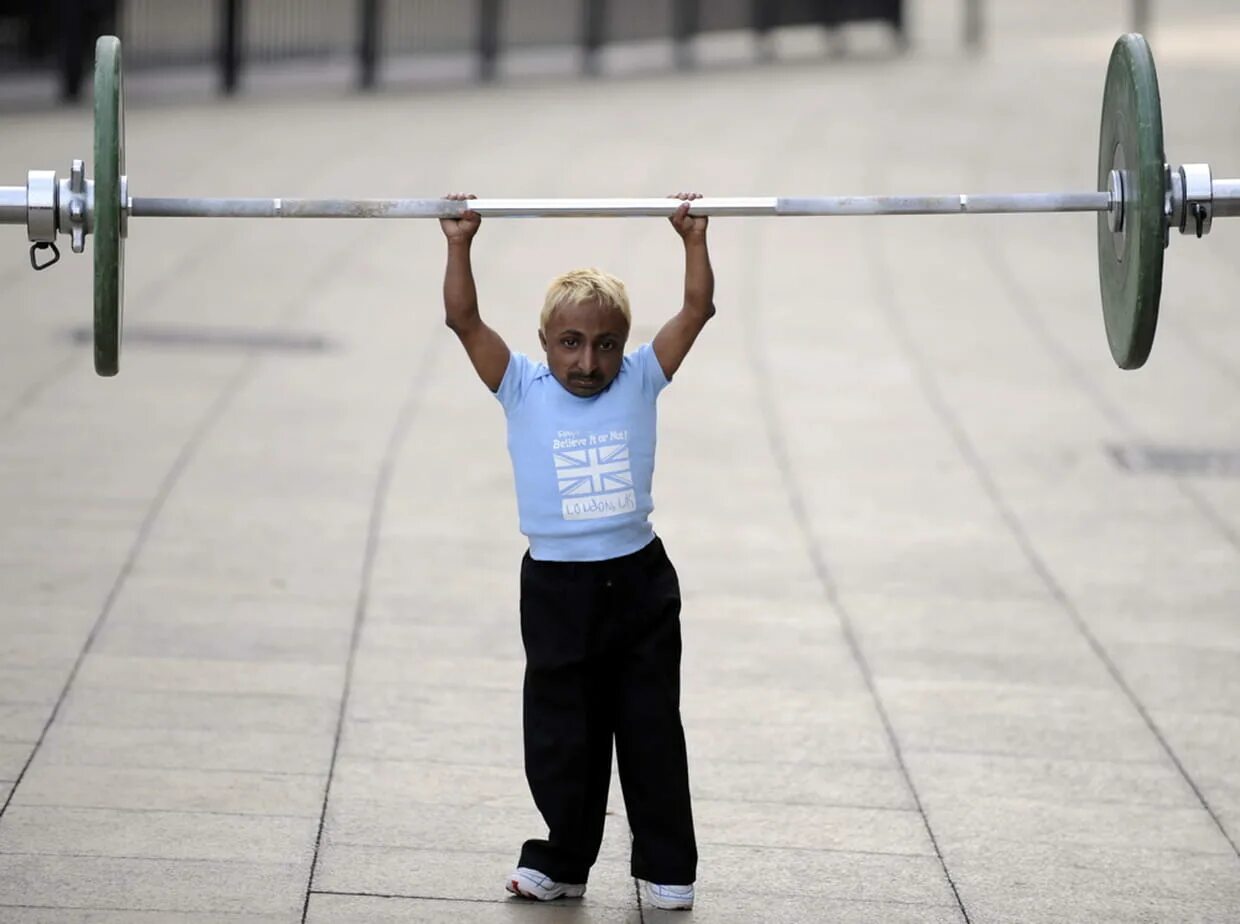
x=583, y=466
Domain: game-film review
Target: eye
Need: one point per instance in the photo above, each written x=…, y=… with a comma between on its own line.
x=568, y=342
x=607, y=346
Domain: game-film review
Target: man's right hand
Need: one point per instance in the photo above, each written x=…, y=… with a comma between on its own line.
x=461, y=230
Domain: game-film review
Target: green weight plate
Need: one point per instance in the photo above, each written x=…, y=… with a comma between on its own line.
x=109, y=236
x=1130, y=261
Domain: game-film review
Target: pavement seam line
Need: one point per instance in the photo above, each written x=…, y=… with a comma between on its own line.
x=778, y=448
x=215, y=411
x=1058, y=593
x=391, y=452
x=964, y=445
x=213, y=414
x=421, y=898
x=248, y=915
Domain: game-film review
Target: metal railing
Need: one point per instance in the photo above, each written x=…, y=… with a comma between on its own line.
x=230, y=35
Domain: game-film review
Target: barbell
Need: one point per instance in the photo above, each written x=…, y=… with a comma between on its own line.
x=1138, y=200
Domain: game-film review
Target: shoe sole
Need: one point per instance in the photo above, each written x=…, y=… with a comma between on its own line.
x=514, y=886
x=652, y=900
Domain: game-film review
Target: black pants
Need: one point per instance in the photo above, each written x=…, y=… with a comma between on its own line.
x=602, y=648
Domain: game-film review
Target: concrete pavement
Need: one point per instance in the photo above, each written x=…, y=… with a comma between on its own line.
x=951, y=654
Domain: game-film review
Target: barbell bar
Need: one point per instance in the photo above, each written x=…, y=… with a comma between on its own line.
x=1139, y=198
x=752, y=206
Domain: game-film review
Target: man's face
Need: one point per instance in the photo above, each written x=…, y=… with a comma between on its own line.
x=585, y=346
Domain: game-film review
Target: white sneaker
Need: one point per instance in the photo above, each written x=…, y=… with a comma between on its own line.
x=667, y=897
x=530, y=883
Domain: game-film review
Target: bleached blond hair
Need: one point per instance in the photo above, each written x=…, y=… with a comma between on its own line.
x=582, y=285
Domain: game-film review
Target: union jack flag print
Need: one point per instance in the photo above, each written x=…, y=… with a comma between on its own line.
x=594, y=470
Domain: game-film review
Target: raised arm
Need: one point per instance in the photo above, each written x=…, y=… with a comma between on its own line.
x=486, y=349
x=672, y=342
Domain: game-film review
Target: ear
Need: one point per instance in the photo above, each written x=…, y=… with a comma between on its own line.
x=542, y=338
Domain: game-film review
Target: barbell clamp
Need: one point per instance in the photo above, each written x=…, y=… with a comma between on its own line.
x=77, y=206
x=34, y=255
x=1191, y=192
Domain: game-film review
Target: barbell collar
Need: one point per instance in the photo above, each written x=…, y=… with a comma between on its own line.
x=41, y=205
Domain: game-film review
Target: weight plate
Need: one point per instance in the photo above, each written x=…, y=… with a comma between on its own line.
x=1130, y=261
x=109, y=240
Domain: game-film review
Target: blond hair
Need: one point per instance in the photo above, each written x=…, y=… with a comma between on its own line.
x=582, y=285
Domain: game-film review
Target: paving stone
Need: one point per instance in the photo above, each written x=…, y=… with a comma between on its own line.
x=829, y=875
x=86, y=915
x=1196, y=614
x=31, y=686
x=1032, y=669
x=64, y=617
x=1206, y=744
x=874, y=782
x=1187, y=678
x=943, y=638
x=345, y=909
x=810, y=827
x=782, y=625
x=22, y=723
x=58, y=584
x=140, y=790
x=458, y=743
x=466, y=633
x=494, y=669
x=965, y=819
x=259, y=677
x=1197, y=889
x=846, y=710
x=64, y=547
x=788, y=743
x=45, y=649
x=228, y=593
x=110, y=884
x=228, y=634
x=1034, y=721
x=433, y=705
x=739, y=905
x=780, y=655
x=13, y=757
x=202, y=711
x=447, y=874
x=399, y=823
x=489, y=599
x=288, y=752
x=1053, y=780
x=249, y=573
x=429, y=781
x=166, y=835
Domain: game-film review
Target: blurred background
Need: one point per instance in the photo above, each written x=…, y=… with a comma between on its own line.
x=393, y=40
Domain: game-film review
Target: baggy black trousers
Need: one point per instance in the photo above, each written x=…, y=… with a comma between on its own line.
x=602, y=648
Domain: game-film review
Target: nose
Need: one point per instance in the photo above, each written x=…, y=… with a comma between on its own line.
x=589, y=360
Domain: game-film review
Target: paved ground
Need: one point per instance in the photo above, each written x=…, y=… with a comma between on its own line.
x=951, y=653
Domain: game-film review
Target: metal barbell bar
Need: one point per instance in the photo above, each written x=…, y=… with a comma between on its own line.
x=1221, y=197
x=16, y=208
